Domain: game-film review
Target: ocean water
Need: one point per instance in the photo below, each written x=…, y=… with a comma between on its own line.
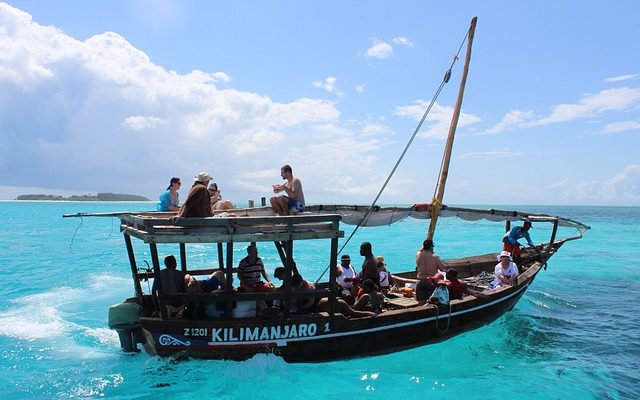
x=575, y=334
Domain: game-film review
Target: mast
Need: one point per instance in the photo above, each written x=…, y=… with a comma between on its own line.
x=436, y=202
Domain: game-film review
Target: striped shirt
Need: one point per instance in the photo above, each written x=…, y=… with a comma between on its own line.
x=250, y=273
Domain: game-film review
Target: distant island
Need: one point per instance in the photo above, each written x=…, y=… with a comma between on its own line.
x=84, y=197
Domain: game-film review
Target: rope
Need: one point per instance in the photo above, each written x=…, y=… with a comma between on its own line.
x=73, y=238
x=445, y=330
x=365, y=219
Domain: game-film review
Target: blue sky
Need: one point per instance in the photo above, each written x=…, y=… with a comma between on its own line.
x=119, y=96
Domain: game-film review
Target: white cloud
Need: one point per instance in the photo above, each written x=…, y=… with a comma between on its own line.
x=375, y=129
x=328, y=85
x=617, y=127
x=140, y=123
x=629, y=77
x=360, y=88
x=378, y=49
x=402, y=41
x=590, y=105
x=623, y=188
x=439, y=118
x=513, y=119
x=490, y=155
x=71, y=108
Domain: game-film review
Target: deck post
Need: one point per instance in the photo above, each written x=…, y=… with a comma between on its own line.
x=507, y=226
x=228, y=288
x=183, y=258
x=134, y=267
x=156, y=270
x=553, y=233
x=332, y=275
x=220, y=257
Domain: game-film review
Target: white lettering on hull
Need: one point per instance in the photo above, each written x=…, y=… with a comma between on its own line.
x=275, y=334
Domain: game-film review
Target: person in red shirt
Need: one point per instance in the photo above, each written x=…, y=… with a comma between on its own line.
x=456, y=288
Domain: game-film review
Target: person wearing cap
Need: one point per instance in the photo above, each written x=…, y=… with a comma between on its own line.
x=346, y=273
x=510, y=239
x=292, y=202
x=506, y=271
x=198, y=202
x=344, y=276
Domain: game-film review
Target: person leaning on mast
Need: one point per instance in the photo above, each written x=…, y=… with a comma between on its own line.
x=198, y=202
x=510, y=239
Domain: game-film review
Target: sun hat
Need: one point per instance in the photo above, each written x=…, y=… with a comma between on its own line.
x=505, y=254
x=202, y=177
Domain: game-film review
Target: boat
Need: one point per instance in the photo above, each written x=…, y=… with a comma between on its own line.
x=233, y=329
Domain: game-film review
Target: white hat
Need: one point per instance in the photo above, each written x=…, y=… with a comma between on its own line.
x=505, y=254
x=202, y=177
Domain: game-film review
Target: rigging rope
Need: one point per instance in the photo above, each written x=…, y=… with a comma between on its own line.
x=365, y=219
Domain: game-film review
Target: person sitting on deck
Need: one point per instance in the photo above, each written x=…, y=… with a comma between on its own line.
x=510, y=239
x=280, y=273
x=293, y=200
x=198, y=202
x=251, y=269
x=343, y=308
x=217, y=204
x=169, y=199
x=306, y=304
x=344, y=276
x=384, y=275
x=456, y=288
x=371, y=299
x=172, y=279
x=506, y=271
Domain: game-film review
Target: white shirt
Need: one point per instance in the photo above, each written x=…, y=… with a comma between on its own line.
x=509, y=273
x=346, y=273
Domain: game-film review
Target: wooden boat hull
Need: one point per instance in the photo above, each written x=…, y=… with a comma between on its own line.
x=320, y=337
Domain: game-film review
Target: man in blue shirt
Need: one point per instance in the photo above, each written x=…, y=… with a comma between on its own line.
x=510, y=239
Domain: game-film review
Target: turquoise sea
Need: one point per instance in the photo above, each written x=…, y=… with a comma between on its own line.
x=575, y=334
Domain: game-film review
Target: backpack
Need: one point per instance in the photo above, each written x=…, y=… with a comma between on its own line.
x=440, y=295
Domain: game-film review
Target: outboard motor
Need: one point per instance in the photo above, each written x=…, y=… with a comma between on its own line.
x=124, y=318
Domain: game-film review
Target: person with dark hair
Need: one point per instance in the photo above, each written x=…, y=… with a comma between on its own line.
x=251, y=270
x=369, y=265
x=428, y=265
x=370, y=299
x=292, y=202
x=172, y=279
x=198, y=202
x=510, y=239
x=217, y=204
x=169, y=199
x=456, y=288
x=305, y=304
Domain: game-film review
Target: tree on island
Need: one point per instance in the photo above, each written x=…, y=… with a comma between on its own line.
x=84, y=197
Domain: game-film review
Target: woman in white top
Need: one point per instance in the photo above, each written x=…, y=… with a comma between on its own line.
x=506, y=271
x=385, y=285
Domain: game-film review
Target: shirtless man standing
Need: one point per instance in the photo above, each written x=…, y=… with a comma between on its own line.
x=293, y=200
